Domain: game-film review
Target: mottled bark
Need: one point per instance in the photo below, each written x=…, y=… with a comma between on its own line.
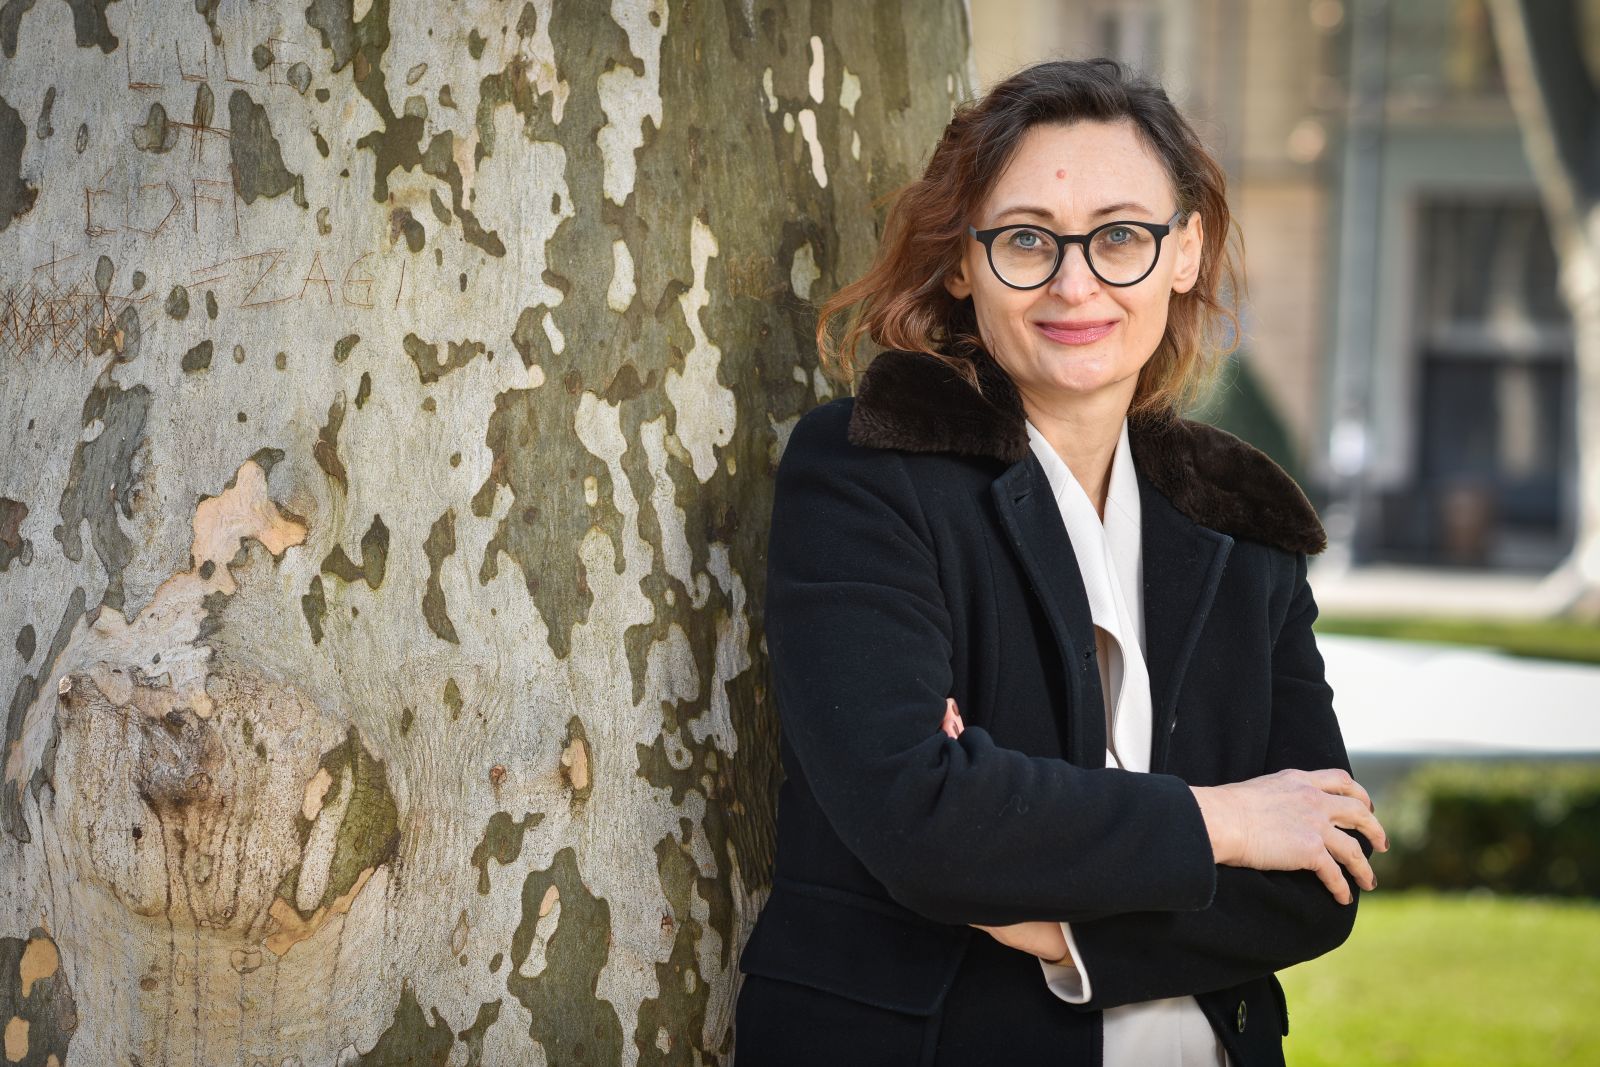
x=391, y=398
x=1550, y=51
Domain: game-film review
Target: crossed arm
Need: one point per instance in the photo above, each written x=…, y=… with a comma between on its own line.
x=1260, y=920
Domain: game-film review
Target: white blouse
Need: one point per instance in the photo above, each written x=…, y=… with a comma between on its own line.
x=1173, y=1030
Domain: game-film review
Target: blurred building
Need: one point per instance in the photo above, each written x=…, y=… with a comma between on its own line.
x=1403, y=326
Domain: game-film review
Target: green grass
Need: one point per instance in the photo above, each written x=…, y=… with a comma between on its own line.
x=1433, y=980
x=1543, y=639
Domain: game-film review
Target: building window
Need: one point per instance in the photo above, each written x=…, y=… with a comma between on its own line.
x=1496, y=417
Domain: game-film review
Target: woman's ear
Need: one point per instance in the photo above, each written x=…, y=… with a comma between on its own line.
x=1191, y=237
x=956, y=282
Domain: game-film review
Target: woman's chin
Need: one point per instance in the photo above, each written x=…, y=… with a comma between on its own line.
x=1079, y=377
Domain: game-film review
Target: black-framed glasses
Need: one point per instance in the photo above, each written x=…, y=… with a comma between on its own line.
x=1118, y=253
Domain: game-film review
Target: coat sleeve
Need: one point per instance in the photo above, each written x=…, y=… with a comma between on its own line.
x=860, y=642
x=1258, y=921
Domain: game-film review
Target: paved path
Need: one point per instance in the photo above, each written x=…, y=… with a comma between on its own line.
x=1406, y=697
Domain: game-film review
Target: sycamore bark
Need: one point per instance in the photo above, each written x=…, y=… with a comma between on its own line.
x=391, y=397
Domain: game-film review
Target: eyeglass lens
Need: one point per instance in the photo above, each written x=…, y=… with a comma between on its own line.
x=1118, y=254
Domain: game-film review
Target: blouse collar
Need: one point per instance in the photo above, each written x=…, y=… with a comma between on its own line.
x=1109, y=550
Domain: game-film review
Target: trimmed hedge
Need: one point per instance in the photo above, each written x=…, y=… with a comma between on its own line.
x=1525, y=827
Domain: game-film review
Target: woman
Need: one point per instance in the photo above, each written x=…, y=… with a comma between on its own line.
x=1138, y=808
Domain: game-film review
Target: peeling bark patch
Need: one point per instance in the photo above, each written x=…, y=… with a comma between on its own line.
x=22, y=698
x=100, y=481
x=527, y=335
x=257, y=156
x=402, y=221
x=374, y=557
x=198, y=358
x=335, y=20
x=501, y=842
x=26, y=643
x=326, y=450
x=473, y=1036
x=706, y=409
x=12, y=512
x=426, y=356
x=452, y=698
x=90, y=26
x=707, y=773
x=39, y=960
x=16, y=1039
x=42, y=129
x=394, y=146
x=365, y=836
x=620, y=294
x=155, y=135
x=571, y=1021
x=35, y=1000
x=575, y=760
x=314, y=606
x=679, y=1009
x=178, y=303
x=342, y=347
x=11, y=13
x=316, y=792
x=628, y=97
x=441, y=542
x=411, y=1038
x=17, y=195
x=207, y=9
x=521, y=444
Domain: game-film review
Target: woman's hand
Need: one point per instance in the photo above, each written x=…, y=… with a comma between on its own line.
x=1291, y=820
x=952, y=725
x=1042, y=939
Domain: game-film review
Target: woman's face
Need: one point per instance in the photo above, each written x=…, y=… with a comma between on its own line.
x=1076, y=338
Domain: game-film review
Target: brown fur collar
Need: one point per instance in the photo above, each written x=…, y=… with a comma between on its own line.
x=911, y=402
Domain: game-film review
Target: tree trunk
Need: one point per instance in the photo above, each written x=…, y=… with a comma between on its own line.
x=391, y=398
x=1548, y=51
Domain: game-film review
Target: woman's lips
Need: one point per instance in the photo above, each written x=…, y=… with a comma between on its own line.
x=1075, y=335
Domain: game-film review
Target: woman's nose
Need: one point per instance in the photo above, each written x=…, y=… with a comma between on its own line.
x=1074, y=281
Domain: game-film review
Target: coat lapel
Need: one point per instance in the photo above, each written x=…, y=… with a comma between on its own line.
x=1183, y=563
x=1032, y=522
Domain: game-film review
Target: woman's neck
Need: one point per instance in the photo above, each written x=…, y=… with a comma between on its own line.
x=1084, y=432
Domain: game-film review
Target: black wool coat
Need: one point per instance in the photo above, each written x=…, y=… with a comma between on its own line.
x=917, y=553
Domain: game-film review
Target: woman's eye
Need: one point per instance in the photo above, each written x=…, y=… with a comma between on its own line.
x=1025, y=241
x=1119, y=235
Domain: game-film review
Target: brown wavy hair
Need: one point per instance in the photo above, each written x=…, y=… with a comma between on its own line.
x=901, y=301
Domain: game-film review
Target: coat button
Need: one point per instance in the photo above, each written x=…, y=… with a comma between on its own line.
x=1239, y=1018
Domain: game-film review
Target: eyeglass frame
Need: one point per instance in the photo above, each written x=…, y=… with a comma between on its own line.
x=1158, y=230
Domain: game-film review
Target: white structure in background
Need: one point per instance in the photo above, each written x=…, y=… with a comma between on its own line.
x=1406, y=698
